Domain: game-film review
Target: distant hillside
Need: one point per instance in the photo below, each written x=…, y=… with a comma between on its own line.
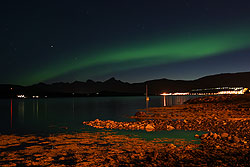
x=113, y=87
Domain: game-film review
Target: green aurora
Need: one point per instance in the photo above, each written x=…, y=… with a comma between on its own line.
x=163, y=50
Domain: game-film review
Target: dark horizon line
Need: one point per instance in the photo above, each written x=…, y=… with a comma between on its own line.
x=113, y=78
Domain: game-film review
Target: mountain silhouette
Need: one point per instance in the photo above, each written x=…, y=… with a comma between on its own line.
x=114, y=87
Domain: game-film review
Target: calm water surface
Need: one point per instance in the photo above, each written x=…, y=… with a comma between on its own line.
x=52, y=115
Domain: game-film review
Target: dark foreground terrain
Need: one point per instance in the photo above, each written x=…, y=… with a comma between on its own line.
x=226, y=120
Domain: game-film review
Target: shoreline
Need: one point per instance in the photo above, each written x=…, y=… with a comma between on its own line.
x=225, y=118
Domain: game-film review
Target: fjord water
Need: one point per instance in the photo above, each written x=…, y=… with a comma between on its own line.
x=52, y=115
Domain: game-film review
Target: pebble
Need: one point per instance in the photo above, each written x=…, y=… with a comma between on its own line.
x=197, y=136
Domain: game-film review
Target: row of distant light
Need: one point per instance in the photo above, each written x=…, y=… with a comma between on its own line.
x=168, y=94
x=220, y=93
x=242, y=91
x=230, y=92
x=237, y=90
x=23, y=97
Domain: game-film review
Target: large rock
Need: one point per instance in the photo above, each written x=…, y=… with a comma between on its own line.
x=178, y=127
x=149, y=127
x=169, y=127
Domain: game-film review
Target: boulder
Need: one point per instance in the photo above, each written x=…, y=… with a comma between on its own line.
x=149, y=128
x=171, y=146
x=178, y=127
x=197, y=136
x=142, y=128
x=169, y=127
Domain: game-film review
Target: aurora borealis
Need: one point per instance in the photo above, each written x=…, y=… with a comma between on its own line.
x=133, y=46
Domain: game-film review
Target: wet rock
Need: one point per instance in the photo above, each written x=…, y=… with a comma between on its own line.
x=120, y=127
x=142, y=128
x=169, y=127
x=197, y=136
x=149, y=128
x=178, y=127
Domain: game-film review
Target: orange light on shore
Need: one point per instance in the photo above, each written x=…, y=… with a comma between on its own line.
x=164, y=98
x=165, y=94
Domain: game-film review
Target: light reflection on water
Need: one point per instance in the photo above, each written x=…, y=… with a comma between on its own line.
x=176, y=100
x=11, y=113
x=67, y=114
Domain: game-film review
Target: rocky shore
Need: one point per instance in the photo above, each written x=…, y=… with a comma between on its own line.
x=226, y=120
x=208, y=115
x=232, y=130
x=138, y=125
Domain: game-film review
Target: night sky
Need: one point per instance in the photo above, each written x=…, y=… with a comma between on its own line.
x=131, y=40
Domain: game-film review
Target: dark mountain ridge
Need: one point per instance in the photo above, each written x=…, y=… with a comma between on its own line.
x=115, y=87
